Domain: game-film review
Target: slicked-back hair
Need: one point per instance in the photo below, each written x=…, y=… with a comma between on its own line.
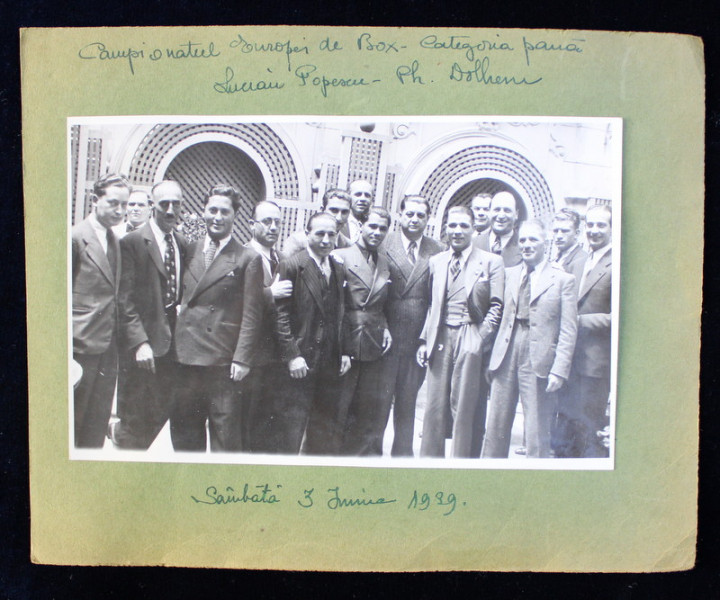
x=603, y=207
x=535, y=223
x=568, y=214
x=462, y=209
x=164, y=182
x=415, y=198
x=254, y=212
x=317, y=215
x=110, y=180
x=382, y=213
x=224, y=190
x=335, y=193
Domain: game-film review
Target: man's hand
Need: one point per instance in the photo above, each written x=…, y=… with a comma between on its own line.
x=554, y=383
x=421, y=356
x=387, y=341
x=281, y=289
x=298, y=368
x=144, y=357
x=238, y=371
x=345, y=363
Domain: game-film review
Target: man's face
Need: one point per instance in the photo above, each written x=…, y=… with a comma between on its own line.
x=167, y=200
x=138, y=209
x=413, y=219
x=219, y=216
x=374, y=231
x=598, y=228
x=266, y=224
x=531, y=240
x=110, y=207
x=338, y=208
x=564, y=235
x=459, y=230
x=321, y=235
x=503, y=213
x=480, y=206
x=361, y=194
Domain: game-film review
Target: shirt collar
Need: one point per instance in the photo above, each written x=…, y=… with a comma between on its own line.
x=318, y=261
x=99, y=228
x=406, y=242
x=567, y=252
x=221, y=244
x=598, y=254
x=463, y=255
x=157, y=232
x=504, y=239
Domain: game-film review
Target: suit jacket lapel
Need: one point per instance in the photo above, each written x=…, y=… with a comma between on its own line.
x=512, y=283
x=358, y=265
x=97, y=254
x=543, y=282
x=473, y=270
x=421, y=263
x=311, y=275
x=153, y=249
x=380, y=277
x=441, y=277
x=396, y=253
x=223, y=263
x=600, y=270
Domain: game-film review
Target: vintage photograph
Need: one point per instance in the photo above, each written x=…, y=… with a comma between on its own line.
x=363, y=291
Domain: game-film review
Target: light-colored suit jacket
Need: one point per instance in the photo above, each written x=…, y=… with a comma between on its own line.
x=553, y=320
x=94, y=291
x=484, y=283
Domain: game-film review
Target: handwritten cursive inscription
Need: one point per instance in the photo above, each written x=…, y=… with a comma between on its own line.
x=263, y=495
x=463, y=42
x=336, y=501
x=285, y=47
x=98, y=50
x=324, y=83
x=230, y=86
x=479, y=72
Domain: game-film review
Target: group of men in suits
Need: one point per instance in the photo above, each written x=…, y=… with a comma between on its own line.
x=309, y=350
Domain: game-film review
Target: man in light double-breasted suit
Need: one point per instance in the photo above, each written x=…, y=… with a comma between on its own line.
x=501, y=237
x=466, y=306
x=95, y=279
x=366, y=338
x=217, y=331
x=408, y=252
x=582, y=409
x=533, y=349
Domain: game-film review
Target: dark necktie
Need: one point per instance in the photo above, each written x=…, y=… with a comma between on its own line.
x=273, y=262
x=455, y=265
x=171, y=289
x=372, y=259
x=497, y=245
x=523, y=310
x=210, y=253
x=411, y=252
x=129, y=228
x=111, y=252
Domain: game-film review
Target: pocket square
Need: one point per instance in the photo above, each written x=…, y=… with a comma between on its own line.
x=230, y=274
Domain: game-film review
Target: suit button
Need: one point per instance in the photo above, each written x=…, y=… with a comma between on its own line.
x=212, y=308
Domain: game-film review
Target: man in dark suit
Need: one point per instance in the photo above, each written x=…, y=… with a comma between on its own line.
x=153, y=261
x=533, y=350
x=309, y=326
x=581, y=414
x=261, y=384
x=407, y=252
x=366, y=338
x=95, y=279
x=501, y=238
x=566, y=229
x=465, y=309
x=335, y=202
x=217, y=331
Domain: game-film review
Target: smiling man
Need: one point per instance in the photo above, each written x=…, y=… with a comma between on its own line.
x=218, y=329
x=465, y=309
x=534, y=347
x=153, y=260
x=95, y=279
x=501, y=237
x=408, y=252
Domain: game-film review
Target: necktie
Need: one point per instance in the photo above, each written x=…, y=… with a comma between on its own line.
x=455, y=264
x=210, y=254
x=523, y=311
x=111, y=251
x=325, y=268
x=497, y=245
x=129, y=228
x=171, y=289
x=411, y=252
x=372, y=260
x=273, y=262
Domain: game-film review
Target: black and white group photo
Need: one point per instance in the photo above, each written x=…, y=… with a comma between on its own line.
x=367, y=291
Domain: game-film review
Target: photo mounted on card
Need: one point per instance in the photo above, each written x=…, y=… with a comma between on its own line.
x=470, y=368
x=297, y=292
